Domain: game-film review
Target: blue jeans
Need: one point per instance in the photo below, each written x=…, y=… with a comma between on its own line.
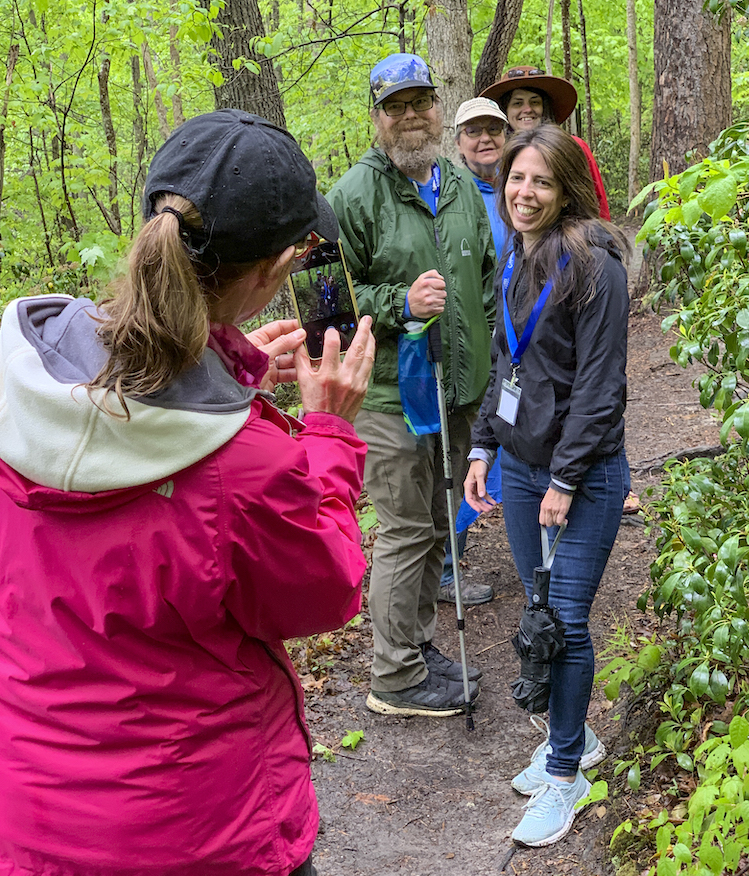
x=580, y=559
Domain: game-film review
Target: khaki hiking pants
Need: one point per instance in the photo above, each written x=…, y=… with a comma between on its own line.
x=404, y=478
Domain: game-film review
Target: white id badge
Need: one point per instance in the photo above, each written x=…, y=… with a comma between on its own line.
x=509, y=401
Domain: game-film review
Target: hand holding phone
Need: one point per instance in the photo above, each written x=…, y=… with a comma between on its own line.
x=337, y=385
x=323, y=296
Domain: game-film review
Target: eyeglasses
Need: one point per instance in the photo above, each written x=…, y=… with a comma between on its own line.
x=304, y=246
x=473, y=132
x=398, y=107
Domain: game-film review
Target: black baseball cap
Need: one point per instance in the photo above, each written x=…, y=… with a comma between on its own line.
x=251, y=183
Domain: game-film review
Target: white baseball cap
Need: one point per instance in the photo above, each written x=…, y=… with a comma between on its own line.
x=477, y=107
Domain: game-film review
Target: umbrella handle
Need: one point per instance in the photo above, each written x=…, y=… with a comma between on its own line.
x=541, y=579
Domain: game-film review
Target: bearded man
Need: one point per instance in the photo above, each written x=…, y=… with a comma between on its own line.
x=417, y=241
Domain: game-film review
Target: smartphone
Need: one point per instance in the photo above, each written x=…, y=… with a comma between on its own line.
x=323, y=296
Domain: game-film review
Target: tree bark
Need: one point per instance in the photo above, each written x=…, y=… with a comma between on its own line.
x=112, y=213
x=177, y=112
x=635, y=104
x=139, y=138
x=497, y=47
x=258, y=93
x=10, y=66
x=152, y=83
x=586, y=76
x=692, y=93
x=549, y=28
x=449, y=39
x=571, y=124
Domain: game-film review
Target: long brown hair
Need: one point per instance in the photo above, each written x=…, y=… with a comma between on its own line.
x=156, y=323
x=575, y=230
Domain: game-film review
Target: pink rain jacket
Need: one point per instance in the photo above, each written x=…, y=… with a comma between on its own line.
x=150, y=719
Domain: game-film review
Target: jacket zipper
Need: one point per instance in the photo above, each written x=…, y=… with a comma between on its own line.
x=298, y=711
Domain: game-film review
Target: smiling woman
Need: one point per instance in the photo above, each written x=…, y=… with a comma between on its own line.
x=555, y=406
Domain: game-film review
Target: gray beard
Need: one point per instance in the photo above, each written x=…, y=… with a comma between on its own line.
x=414, y=163
x=412, y=152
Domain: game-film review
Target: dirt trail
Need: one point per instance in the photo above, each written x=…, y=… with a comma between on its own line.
x=423, y=797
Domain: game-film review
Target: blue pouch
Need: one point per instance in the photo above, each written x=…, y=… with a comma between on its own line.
x=416, y=380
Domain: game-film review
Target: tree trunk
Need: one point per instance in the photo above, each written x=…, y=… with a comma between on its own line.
x=177, y=112
x=635, y=103
x=139, y=138
x=449, y=39
x=571, y=124
x=258, y=93
x=497, y=46
x=152, y=83
x=692, y=93
x=112, y=213
x=549, y=29
x=10, y=66
x=586, y=74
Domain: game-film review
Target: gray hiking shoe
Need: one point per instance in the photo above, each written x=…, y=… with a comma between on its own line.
x=471, y=594
x=439, y=664
x=531, y=778
x=436, y=696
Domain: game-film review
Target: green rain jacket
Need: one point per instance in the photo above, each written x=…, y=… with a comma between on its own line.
x=389, y=238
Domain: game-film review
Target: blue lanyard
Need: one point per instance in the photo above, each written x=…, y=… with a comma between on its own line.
x=518, y=348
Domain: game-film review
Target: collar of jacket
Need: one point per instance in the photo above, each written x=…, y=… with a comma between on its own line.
x=379, y=160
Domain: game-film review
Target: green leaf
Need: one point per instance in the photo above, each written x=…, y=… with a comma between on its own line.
x=699, y=680
x=684, y=761
x=711, y=857
x=718, y=686
x=741, y=422
x=691, y=212
x=633, y=777
x=655, y=218
x=729, y=550
x=719, y=195
x=649, y=657
x=688, y=180
x=738, y=731
x=638, y=199
x=352, y=738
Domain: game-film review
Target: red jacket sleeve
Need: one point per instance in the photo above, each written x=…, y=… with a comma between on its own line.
x=597, y=180
x=294, y=544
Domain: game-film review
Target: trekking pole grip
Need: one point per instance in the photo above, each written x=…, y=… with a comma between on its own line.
x=435, y=341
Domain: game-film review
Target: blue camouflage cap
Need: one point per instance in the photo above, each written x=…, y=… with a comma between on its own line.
x=397, y=72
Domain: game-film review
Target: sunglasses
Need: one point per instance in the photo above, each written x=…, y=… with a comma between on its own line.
x=520, y=73
x=473, y=132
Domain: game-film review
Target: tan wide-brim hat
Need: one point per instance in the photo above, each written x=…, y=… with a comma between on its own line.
x=561, y=92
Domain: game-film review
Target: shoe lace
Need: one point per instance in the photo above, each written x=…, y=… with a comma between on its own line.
x=539, y=723
x=545, y=798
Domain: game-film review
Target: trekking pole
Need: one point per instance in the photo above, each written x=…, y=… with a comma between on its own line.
x=435, y=351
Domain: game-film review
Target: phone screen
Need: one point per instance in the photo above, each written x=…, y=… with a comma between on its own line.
x=324, y=296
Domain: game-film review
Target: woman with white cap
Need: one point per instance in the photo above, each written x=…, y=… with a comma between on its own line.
x=164, y=527
x=529, y=97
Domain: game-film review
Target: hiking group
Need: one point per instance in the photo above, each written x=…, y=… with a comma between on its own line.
x=165, y=526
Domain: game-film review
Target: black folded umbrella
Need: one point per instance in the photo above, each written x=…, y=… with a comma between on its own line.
x=539, y=640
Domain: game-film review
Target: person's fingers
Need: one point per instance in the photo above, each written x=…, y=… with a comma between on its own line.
x=285, y=343
x=280, y=327
x=331, y=350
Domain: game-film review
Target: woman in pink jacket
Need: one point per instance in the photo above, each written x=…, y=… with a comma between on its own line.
x=163, y=527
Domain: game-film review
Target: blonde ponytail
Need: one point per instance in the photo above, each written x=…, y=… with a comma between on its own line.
x=156, y=325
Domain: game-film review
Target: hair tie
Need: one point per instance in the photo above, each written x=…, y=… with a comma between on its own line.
x=184, y=231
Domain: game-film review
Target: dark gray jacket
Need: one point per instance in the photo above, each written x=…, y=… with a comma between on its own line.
x=572, y=376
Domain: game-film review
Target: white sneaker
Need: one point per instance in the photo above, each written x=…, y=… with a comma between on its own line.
x=529, y=779
x=551, y=810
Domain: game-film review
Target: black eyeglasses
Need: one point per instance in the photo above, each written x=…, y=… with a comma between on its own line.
x=398, y=107
x=473, y=132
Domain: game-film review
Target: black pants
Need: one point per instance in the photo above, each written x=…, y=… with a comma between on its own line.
x=306, y=869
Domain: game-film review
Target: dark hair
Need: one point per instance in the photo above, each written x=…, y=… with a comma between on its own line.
x=548, y=111
x=576, y=229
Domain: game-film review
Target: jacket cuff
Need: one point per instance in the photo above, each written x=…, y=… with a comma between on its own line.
x=562, y=487
x=319, y=419
x=487, y=456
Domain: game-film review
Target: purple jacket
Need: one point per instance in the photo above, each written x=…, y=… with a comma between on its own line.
x=150, y=718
